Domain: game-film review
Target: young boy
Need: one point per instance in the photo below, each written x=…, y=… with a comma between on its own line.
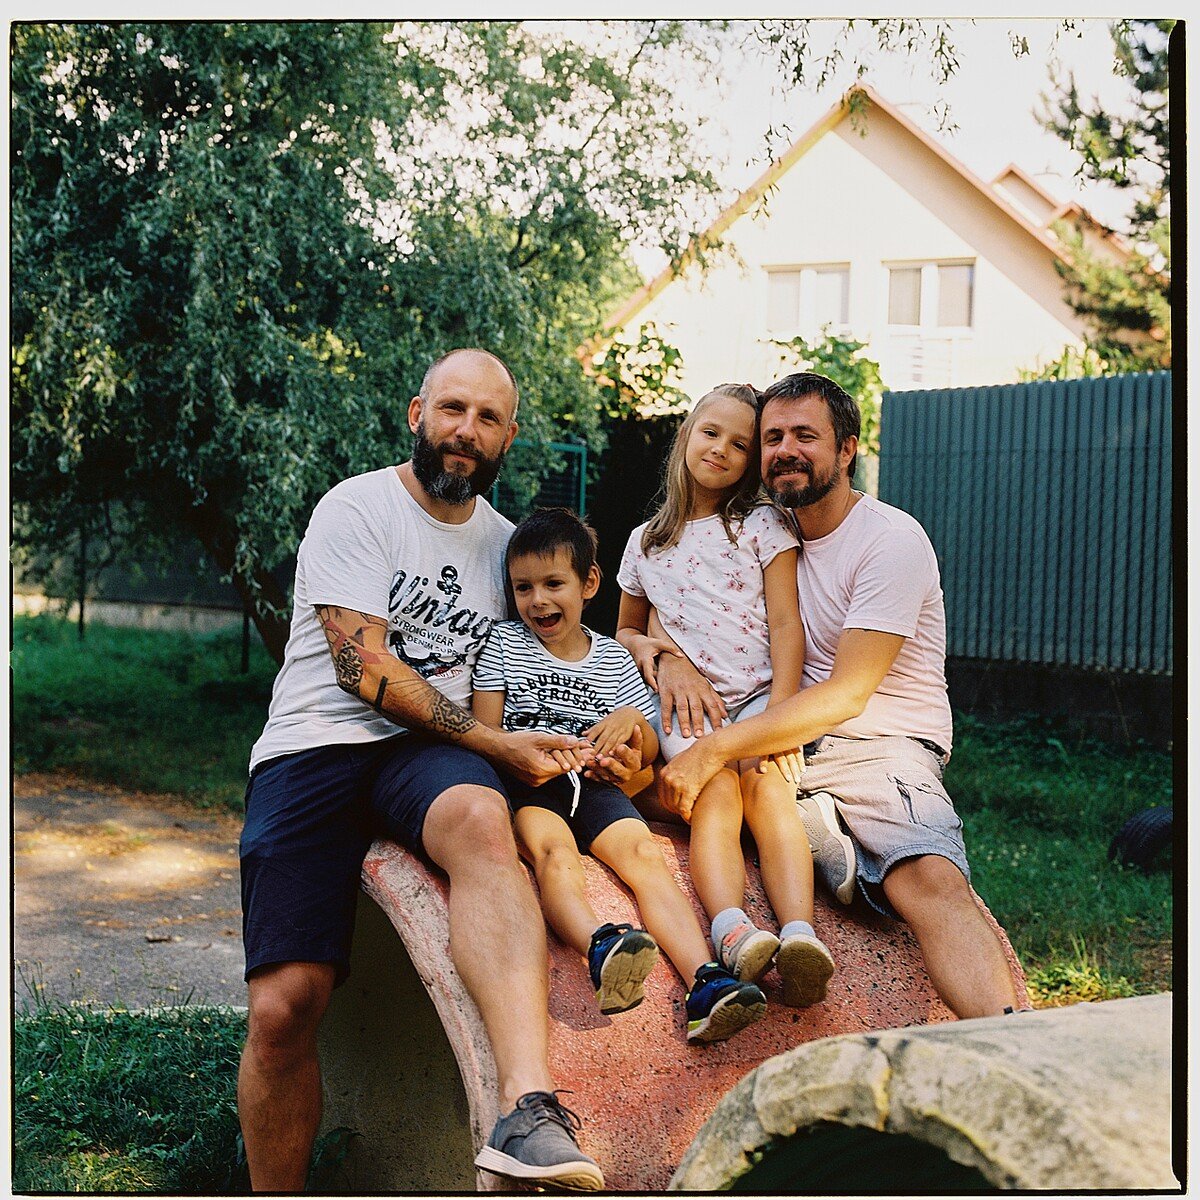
x=548, y=671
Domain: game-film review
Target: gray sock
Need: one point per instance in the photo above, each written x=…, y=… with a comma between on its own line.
x=725, y=922
x=794, y=927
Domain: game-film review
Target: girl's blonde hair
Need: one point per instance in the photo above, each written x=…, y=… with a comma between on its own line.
x=665, y=528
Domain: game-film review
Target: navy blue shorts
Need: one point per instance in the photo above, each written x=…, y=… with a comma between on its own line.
x=310, y=819
x=600, y=805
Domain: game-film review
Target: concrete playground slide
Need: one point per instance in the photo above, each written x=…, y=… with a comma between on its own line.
x=408, y=1069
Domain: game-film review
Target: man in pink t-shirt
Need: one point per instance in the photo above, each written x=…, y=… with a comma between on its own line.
x=872, y=715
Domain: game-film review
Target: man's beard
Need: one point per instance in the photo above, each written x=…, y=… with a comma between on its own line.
x=449, y=487
x=793, y=496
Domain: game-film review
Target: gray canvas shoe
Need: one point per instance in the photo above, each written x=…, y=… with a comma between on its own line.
x=832, y=850
x=805, y=967
x=536, y=1144
x=746, y=952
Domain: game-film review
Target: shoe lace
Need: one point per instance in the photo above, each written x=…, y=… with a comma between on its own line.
x=548, y=1105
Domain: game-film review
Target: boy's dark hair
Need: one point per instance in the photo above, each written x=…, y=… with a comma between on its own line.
x=551, y=529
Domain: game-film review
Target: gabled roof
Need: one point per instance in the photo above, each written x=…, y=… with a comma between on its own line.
x=755, y=192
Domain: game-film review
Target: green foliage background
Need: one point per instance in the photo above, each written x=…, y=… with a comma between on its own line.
x=236, y=247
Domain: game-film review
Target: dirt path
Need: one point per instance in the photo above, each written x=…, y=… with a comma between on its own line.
x=122, y=898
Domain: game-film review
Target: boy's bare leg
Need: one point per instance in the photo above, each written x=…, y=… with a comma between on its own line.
x=547, y=841
x=497, y=937
x=279, y=1080
x=628, y=848
x=783, y=852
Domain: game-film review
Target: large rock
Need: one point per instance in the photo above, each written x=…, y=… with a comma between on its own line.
x=641, y=1090
x=1069, y=1099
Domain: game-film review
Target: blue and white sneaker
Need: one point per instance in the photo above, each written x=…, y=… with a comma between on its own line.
x=719, y=1005
x=619, y=959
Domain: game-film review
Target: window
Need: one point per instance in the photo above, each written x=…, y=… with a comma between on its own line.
x=804, y=299
x=932, y=294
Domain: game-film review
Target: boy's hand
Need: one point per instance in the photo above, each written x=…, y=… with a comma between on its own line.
x=621, y=763
x=613, y=730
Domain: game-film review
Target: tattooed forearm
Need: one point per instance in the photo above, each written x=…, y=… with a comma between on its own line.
x=360, y=656
x=448, y=720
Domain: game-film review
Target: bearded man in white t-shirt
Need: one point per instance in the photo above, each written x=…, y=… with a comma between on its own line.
x=872, y=715
x=399, y=579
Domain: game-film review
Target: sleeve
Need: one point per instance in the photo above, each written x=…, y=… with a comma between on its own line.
x=631, y=687
x=629, y=574
x=346, y=556
x=489, y=666
x=891, y=583
x=772, y=534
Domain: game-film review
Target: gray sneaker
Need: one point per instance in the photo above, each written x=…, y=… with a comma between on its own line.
x=536, y=1144
x=746, y=952
x=832, y=850
x=805, y=967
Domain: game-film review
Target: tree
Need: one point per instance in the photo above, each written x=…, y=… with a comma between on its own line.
x=235, y=248
x=1127, y=305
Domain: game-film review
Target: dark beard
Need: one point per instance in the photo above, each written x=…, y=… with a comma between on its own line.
x=449, y=487
x=810, y=493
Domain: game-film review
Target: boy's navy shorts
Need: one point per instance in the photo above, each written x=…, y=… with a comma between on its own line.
x=601, y=804
x=310, y=819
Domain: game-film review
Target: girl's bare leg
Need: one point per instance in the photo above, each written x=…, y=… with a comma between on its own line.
x=783, y=852
x=717, y=866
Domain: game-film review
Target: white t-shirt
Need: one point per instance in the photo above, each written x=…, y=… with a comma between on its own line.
x=552, y=694
x=372, y=548
x=877, y=570
x=709, y=596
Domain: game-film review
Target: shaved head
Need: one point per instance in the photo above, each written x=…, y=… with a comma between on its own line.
x=484, y=356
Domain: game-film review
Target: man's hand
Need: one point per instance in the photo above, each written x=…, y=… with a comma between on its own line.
x=685, y=692
x=621, y=763
x=535, y=757
x=683, y=779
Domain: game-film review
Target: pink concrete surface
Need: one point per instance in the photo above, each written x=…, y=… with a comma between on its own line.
x=641, y=1090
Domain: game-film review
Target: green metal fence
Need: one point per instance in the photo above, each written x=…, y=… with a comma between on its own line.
x=1049, y=506
x=542, y=475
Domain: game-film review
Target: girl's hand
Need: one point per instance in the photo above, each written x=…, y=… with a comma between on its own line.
x=789, y=762
x=645, y=652
x=614, y=730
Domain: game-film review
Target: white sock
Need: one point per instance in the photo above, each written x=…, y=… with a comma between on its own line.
x=792, y=928
x=727, y=920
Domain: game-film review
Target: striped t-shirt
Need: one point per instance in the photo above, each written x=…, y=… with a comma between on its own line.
x=548, y=693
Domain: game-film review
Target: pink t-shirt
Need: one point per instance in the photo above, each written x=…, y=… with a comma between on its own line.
x=709, y=596
x=877, y=570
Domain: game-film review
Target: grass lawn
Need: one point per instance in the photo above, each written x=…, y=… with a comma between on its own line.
x=147, y=710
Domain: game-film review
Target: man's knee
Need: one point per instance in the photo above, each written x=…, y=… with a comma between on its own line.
x=287, y=1001
x=469, y=823
x=927, y=882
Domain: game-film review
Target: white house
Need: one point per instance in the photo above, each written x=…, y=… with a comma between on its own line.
x=867, y=225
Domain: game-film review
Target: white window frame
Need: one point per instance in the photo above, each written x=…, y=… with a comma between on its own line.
x=806, y=323
x=929, y=296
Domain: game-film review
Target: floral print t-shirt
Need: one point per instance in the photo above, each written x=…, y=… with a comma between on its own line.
x=710, y=598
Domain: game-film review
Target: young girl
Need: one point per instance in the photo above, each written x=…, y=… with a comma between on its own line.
x=719, y=568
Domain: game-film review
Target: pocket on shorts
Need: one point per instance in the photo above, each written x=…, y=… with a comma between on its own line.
x=927, y=804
